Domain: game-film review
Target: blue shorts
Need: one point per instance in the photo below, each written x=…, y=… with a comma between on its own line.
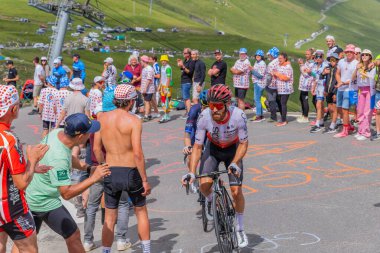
x=377, y=100
x=320, y=93
x=343, y=99
x=185, y=88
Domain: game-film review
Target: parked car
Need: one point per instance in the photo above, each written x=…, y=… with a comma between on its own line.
x=139, y=29
x=38, y=45
x=87, y=26
x=148, y=30
x=160, y=30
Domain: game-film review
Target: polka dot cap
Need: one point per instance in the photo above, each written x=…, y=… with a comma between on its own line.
x=8, y=97
x=125, y=91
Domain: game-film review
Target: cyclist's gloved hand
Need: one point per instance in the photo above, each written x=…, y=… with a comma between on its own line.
x=187, y=150
x=234, y=169
x=189, y=176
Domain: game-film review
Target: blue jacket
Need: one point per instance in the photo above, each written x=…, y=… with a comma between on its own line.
x=79, y=70
x=59, y=72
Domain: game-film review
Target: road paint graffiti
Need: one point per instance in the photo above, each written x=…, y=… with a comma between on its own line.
x=277, y=148
x=294, y=239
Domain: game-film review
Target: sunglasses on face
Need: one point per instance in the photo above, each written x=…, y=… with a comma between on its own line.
x=185, y=53
x=218, y=106
x=365, y=55
x=318, y=57
x=332, y=60
x=357, y=53
x=43, y=60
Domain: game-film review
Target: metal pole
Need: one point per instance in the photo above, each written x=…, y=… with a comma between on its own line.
x=63, y=20
x=151, y=7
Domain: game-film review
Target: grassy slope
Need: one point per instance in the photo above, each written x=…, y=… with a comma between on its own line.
x=250, y=23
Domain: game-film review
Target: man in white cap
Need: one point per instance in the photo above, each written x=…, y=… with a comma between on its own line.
x=76, y=102
x=120, y=134
x=16, y=221
x=109, y=72
x=147, y=86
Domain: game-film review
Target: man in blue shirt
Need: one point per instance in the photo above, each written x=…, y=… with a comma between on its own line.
x=58, y=71
x=79, y=70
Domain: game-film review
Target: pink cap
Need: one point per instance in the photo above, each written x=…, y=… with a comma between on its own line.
x=144, y=58
x=8, y=97
x=350, y=48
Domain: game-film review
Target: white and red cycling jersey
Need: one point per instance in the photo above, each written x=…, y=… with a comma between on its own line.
x=223, y=134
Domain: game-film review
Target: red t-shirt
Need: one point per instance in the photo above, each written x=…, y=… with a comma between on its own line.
x=12, y=162
x=136, y=71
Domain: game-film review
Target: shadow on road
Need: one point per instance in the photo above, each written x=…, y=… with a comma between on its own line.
x=253, y=239
x=151, y=162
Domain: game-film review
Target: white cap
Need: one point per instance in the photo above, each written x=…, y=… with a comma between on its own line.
x=136, y=53
x=43, y=58
x=108, y=60
x=98, y=79
x=358, y=50
x=57, y=61
x=330, y=37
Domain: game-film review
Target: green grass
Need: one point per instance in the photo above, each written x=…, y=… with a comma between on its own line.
x=248, y=23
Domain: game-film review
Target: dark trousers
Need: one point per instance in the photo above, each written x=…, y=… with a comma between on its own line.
x=282, y=101
x=271, y=96
x=304, y=99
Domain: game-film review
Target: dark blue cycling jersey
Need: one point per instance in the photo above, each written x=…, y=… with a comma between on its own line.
x=191, y=122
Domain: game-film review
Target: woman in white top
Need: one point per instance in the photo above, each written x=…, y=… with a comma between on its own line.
x=365, y=78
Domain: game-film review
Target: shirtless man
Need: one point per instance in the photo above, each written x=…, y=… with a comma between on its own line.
x=120, y=134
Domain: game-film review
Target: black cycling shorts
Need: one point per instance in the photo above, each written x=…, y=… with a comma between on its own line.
x=46, y=125
x=213, y=155
x=123, y=179
x=59, y=220
x=20, y=228
x=329, y=98
x=148, y=97
x=240, y=93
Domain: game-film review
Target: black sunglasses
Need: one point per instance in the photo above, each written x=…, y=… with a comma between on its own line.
x=365, y=54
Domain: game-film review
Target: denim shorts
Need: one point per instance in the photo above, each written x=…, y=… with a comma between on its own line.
x=185, y=88
x=343, y=99
x=377, y=100
x=320, y=93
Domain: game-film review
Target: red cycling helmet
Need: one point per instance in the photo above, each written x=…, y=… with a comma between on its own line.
x=219, y=93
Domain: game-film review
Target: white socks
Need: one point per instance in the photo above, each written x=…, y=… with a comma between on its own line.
x=239, y=221
x=146, y=246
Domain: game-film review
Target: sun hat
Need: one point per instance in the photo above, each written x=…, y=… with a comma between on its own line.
x=358, y=50
x=43, y=58
x=79, y=123
x=164, y=57
x=53, y=80
x=367, y=51
x=8, y=97
x=76, y=84
x=125, y=92
x=259, y=52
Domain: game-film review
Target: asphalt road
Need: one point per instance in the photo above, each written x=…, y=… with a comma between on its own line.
x=304, y=192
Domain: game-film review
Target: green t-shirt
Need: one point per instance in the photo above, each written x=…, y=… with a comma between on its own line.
x=42, y=194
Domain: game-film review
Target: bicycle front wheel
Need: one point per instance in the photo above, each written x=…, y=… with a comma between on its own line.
x=222, y=225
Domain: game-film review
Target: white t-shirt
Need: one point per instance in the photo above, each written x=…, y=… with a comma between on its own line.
x=95, y=97
x=346, y=71
x=38, y=71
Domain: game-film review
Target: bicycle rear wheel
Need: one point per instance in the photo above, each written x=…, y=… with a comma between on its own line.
x=222, y=224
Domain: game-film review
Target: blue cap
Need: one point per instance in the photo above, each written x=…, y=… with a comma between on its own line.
x=108, y=97
x=79, y=123
x=274, y=52
x=64, y=82
x=126, y=77
x=52, y=80
x=243, y=50
x=259, y=52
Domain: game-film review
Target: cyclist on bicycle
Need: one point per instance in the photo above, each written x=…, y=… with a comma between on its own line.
x=227, y=141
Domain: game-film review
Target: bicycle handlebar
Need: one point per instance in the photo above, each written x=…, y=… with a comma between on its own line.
x=187, y=179
x=216, y=174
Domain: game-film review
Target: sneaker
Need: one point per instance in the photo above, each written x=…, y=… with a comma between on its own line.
x=156, y=115
x=361, y=138
x=357, y=135
x=122, y=245
x=339, y=122
x=242, y=239
x=164, y=119
x=315, y=129
x=303, y=119
x=375, y=137
x=331, y=130
x=258, y=119
x=33, y=112
x=184, y=116
x=341, y=134
x=312, y=123
x=280, y=124
x=88, y=246
x=209, y=211
x=147, y=118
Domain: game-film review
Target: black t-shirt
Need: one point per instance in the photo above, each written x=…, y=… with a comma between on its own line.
x=187, y=77
x=12, y=73
x=220, y=78
x=199, y=71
